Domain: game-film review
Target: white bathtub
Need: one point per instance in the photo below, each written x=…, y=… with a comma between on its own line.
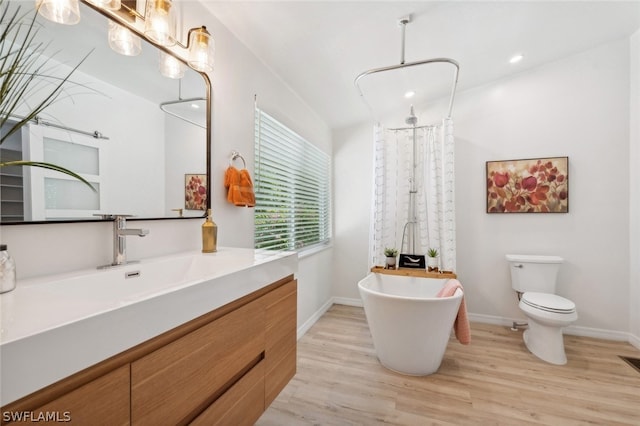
x=410, y=326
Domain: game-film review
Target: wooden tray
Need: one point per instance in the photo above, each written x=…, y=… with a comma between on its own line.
x=412, y=273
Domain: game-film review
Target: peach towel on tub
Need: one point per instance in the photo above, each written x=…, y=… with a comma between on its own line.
x=461, y=324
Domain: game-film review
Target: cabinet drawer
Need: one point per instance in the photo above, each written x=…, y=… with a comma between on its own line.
x=176, y=382
x=281, y=327
x=103, y=401
x=281, y=305
x=241, y=405
x=279, y=375
x=281, y=339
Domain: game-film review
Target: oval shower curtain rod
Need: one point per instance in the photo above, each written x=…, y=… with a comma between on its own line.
x=403, y=22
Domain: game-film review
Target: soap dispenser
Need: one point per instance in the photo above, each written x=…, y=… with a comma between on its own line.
x=209, y=235
x=7, y=270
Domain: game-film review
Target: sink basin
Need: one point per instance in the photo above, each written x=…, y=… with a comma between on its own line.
x=67, y=297
x=94, y=314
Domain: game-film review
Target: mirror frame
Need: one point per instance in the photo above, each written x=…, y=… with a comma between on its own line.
x=118, y=18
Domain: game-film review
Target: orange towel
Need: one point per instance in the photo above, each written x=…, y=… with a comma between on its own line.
x=246, y=188
x=461, y=324
x=239, y=187
x=232, y=183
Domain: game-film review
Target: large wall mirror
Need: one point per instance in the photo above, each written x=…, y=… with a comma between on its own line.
x=151, y=159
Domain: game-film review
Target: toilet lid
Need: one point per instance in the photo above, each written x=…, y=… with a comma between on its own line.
x=549, y=302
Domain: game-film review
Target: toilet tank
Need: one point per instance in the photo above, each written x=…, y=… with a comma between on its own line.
x=534, y=273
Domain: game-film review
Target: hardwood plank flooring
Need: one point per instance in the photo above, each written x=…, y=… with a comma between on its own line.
x=492, y=381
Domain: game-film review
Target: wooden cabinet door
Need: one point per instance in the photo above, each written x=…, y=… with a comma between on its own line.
x=175, y=383
x=281, y=339
x=241, y=405
x=103, y=401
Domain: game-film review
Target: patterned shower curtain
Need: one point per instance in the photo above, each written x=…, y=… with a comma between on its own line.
x=435, y=198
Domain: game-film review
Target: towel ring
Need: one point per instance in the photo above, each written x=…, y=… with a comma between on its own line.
x=235, y=155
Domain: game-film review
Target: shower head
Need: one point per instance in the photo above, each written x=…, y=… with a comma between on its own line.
x=411, y=119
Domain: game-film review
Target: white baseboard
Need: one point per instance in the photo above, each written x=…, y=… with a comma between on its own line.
x=597, y=333
x=491, y=319
x=347, y=301
x=324, y=308
x=573, y=330
x=634, y=340
x=312, y=320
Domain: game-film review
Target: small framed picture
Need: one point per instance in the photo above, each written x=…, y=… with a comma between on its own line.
x=195, y=192
x=537, y=185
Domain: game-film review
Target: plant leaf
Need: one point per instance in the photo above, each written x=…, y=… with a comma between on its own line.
x=48, y=166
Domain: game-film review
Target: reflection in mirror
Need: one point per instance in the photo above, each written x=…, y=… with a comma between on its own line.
x=141, y=137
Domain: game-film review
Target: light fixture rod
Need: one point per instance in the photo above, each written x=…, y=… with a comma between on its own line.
x=403, y=27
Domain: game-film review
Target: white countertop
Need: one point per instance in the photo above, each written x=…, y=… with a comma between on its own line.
x=54, y=326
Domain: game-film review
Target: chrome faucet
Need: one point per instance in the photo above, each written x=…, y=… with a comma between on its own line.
x=120, y=232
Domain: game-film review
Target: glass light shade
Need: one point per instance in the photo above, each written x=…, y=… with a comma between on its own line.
x=201, y=50
x=60, y=11
x=160, y=23
x=113, y=4
x=123, y=41
x=171, y=67
x=101, y=3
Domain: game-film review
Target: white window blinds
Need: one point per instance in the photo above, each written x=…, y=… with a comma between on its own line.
x=292, y=188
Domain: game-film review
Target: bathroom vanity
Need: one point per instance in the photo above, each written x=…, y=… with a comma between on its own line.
x=212, y=342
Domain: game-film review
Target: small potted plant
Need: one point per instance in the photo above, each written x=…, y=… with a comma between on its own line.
x=391, y=254
x=432, y=260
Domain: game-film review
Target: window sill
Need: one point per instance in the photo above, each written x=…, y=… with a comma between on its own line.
x=314, y=249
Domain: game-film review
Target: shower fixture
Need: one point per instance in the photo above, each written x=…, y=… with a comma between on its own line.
x=410, y=227
x=385, y=90
x=411, y=120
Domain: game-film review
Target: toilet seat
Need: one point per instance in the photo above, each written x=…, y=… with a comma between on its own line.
x=548, y=302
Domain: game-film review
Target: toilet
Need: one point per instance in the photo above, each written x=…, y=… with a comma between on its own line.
x=534, y=278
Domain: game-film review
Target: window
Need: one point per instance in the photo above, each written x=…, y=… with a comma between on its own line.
x=293, y=181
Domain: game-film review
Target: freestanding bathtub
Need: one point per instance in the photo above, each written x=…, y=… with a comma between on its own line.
x=410, y=326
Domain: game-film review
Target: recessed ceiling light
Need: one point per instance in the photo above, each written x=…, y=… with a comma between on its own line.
x=409, y=94
x=516, y=58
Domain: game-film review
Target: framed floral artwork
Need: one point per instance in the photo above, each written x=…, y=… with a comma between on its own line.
x=537, y=185
x=195, y=192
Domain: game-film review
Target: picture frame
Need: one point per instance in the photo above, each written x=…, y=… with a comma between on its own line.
x=195, y=191
x=535, y=185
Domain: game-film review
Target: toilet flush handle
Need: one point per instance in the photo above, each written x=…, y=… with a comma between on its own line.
x=518, y=266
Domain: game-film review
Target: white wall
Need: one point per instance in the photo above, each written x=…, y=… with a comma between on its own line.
x=184, y=146
x=238, y=75
x=352, y=192
x=577, y=107
x=634, y=195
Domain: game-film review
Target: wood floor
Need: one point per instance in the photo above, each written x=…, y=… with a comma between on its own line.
x=492, y=381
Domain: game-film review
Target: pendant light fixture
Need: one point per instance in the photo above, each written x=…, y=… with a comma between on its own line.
x=160, y=23
x=99, y=3
x=107, y=4
x=170, y=66
x=159, y=27
x=65, y=12
x=200, y=49
x=113, y=4
x=123, y=41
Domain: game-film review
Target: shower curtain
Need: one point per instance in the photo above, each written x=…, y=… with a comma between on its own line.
x=435, y=197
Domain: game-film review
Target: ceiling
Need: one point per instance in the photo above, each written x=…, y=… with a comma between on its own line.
x=319, y=47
